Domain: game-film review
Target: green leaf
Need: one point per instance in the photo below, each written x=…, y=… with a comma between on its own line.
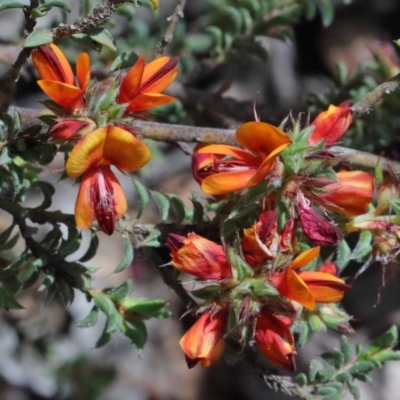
x=103, y=339
x=302, y=379
x=127, y=257
x=114, y=322
x=327, y=11
x=162, y=204
x=48, y=192
x=143, y=307
x=4, y=157
x=387, y=339
x=55, y=3
x=7, y=4
x=141, y=328
x=104, y=303
x=124, y=60
x=135, y=335
x=144, y=197
x=39, y=37
x=315, y=367
x=178, y=206
x=343, y=254
x=325, y=375
x=346, y=349
x=363, y=246
x=90, y=320
x=11, y=243
x=92, y=250
x=354, y=390
x=121, y=291
x=85, y=40
x=386, y=355
x=6, y=234
x=72, y=243
x=240, y=269
x=362, y=367
x=7, y=299
x=335, y=358
x=103, y=37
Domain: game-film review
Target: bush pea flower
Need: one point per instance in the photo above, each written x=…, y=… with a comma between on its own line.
x=233, y=168
x=309, y=287
x=100, y=195
x=142, y=86
x=203, y=340
x=57, y=79
x=330, y=125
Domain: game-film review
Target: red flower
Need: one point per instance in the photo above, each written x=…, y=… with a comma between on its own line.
x=231, y=168
x=350, y=195
x=100, y=194
x=198, y=256
x=142, y=86
x=71, y=129
x=330, y=125
x=275, y=340
x=58, y=80
x=201, y=342
x=309, y=287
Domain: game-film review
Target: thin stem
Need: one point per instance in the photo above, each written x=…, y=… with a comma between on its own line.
x=169, y=33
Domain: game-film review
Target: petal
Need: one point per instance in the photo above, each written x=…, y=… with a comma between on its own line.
x=66, y=67
x=293, y=287
x=262, y=138
x=68, y=96
x=202, y=258
x=84, y=212
x=124, y=150
x=305, y=258
x=161, y=78
x=83, y=70
x=275, y=340
x=235, y=152
x=142, y=102
x=330, y=125
x=226, y=182
x=202, y=339
x=88, y=152
x=130, y=86
x=325, y=288
x=152, y=67
x=119, y=195
x=350, y=195
x=45, y=68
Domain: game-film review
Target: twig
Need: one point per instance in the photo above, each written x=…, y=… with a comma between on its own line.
x=365, y=105
x=9, y=83
x=194, y=134
x=169, y=33
x=98, y=16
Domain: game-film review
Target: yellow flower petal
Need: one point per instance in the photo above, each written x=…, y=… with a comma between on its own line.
x=304, y=258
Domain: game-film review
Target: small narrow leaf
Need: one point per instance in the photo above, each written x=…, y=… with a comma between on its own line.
x=103, y=37
x=124, y=60
x=144, y=197
x=363, y=246
x=343, y=254
x=127, y=257
x=7, y=4
x=121, y=291
x=92, y=250
x=39, y=37
x=162, y=204
x=90, y=320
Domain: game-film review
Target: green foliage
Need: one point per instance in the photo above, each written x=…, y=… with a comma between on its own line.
x=333, y=377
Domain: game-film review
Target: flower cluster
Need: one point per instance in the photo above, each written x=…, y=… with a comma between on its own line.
x=261, y=284
x=242, y=290
x=102, y=130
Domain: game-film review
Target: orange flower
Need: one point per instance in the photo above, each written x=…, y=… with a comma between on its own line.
x=58, y=80
x=198, y=256
x=275, y=340
x=142, y=86
x=259, y=242
x=330, y=125
x=309, y=287
x=202, y=341
x=350, y=195
x=100, y=194
x=239, y=168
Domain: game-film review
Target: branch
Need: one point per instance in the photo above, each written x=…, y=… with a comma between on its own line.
x=365, y=105
x=169, y=33
x=193, y=134
x=98, y=16
x=9, y=83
